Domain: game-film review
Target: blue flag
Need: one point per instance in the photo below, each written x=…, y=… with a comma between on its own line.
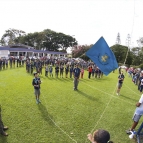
x=102, y=56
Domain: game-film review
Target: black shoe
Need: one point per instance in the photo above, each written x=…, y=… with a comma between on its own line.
x=5, y=134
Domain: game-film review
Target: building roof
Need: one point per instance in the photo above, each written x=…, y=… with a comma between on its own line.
x=19, y=49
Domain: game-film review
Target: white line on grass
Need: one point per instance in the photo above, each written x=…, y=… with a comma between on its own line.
x=59, y=126
x=112, y=95
x=102, y=112
x=131, y=89
x=108, y=93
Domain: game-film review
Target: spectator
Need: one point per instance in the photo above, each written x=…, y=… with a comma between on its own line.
x=99, y=136
x=139, y=84
x=137, y=115
x=66, y=70
x=89, y=71
x=46, y=70
x=61, y=70
x=82, y=72
x=71, y=71
x=51, y=71
x=56, y=70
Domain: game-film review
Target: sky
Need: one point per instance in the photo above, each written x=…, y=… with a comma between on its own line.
x=85, y=20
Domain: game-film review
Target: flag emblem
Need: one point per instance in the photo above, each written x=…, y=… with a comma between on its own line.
x=103, y=59
x=101, y=54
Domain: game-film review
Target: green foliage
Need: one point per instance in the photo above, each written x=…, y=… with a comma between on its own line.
x=76, y=113
x=46, y=39
x=119, y=52
x=10, y=36
x=49, y=40
x=141, y=66
x=84, y=57
x=79, y=51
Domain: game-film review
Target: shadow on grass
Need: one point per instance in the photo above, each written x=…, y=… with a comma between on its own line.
x=3, y=139
x=127, y=97
x=64, y=79
x=87, y=96
x=46, y=116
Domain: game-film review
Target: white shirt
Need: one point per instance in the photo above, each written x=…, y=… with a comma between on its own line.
x=139, y=110
x=142, y=82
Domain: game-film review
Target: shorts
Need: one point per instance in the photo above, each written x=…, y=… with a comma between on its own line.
x=37, y=92
x=119, y=85
x=136, y=117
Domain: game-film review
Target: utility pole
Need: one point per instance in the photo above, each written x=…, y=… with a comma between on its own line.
x=118, y=40
x=128, y=42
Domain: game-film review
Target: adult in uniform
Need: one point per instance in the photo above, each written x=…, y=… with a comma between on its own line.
x=76, y=74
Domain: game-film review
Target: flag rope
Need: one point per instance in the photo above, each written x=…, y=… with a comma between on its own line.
x=131, y=36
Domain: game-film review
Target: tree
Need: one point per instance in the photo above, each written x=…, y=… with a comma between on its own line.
x=119, y=52
x=48, y=40
x=79, y=51
x=60, y=41
x=118, y=40
x=10, y=36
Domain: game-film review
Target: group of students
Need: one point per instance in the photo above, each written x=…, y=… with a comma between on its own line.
x=58, y=69
x=139, y=105
x=94, y=71
x=99, y=136
x=12, y=62
x=36, y=81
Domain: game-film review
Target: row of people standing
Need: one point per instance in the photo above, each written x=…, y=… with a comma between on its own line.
x=137, y=77
x=11, y=62
x=94, y=71
x=3, y=64
x=59, y=69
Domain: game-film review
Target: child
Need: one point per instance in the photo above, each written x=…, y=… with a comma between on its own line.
x=46, y=70
x=71, y=71
x=51, y=70
x=99, y=136
x=82, y=72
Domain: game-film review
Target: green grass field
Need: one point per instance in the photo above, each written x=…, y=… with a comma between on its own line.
x=65, y=116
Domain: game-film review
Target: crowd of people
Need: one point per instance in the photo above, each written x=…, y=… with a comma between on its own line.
x=137, y=78
x=136, y=75
x=51, y=67
x=58, y=68
x=11, y=62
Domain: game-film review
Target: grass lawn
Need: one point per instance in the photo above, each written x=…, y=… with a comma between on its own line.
x=65, y=116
